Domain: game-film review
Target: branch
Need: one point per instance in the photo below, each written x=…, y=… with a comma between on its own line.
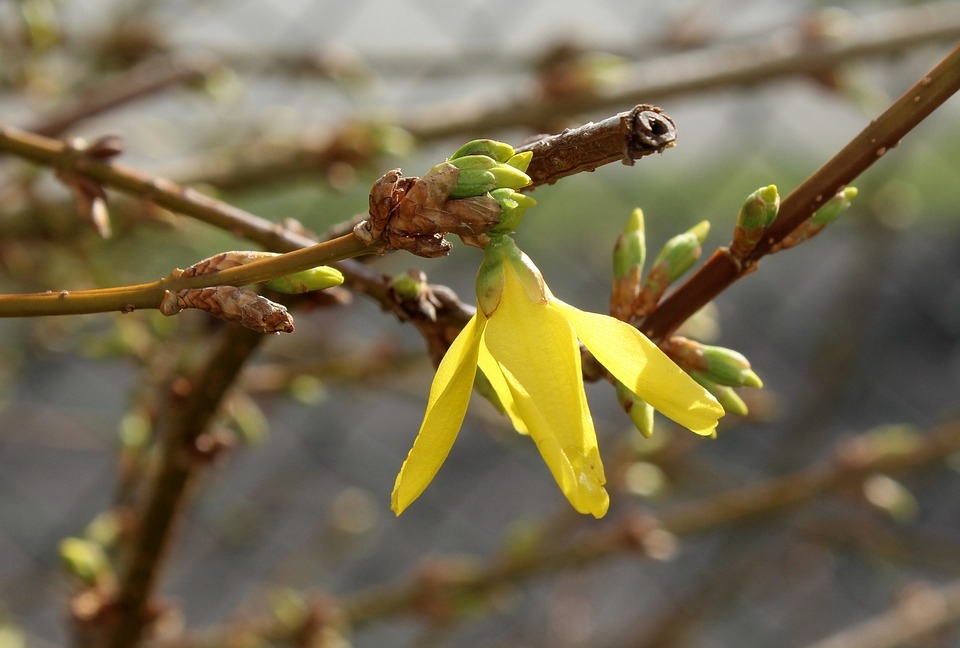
x=923, y=611
x=880, y=136
x=438, y=589
x=772, y=58
x=184, y=455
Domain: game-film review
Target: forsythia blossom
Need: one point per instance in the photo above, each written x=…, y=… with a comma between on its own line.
x=525, y=341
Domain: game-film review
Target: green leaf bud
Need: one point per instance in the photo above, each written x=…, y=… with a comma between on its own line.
x=828, y=212
x=407, y=284
x=319, y=278
x=511, y=177
x=832, y=209
x=681, y=252
x=499, y=151
x=512, y=205
x=756, y=214
x=521, y=160
x=85, y=561
x=630, y=250
x=473, y=182
x=483, y=162
x=726, y=396
x=728, y=367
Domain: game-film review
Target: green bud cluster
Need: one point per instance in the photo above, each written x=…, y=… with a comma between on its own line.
x=489, y=166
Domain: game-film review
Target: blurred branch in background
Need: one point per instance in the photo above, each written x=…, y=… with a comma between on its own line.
x=440, y=589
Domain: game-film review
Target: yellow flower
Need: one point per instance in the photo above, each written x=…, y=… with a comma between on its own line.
x=524, y=340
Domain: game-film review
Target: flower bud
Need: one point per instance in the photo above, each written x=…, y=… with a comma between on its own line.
x=630, y=250
x=319, y=278
x=513, y=205
x=729, y=367
x=676, y=257
x=639, y=411
x=682, y=251
x=473, y=182
x=85, y=561
x=499, y=151
x=756, y=214
x=521, y=160
x=508, y=176
x=828, y=212
x=726, y=396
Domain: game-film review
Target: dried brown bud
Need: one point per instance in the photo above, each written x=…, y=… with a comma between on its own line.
x=232, y=304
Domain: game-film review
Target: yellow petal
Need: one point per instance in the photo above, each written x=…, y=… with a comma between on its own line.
x=449, y=396
x=646, y=370
x=539, y=358
x=492, y=370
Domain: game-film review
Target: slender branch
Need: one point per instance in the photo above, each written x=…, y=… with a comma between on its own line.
x=922, y=611
x=139, y=82
x=150, y=295
x=182, y=459
x=773, y=57
x=880, y=136
x=625, y=137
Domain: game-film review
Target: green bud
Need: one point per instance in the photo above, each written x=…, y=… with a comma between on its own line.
x=630, y=250
x=473, y=182
x=832, y=209
x=756, y=214
x=500, y=251
x=639, y=411
x=407, y=284
x=512, y=205
x=892, y=497
x=511, y=177
x=85, y=561
x=319, y=278
x=483, y=162
x=828, y=212
x=728, y=367
x=521, y=160
x=726, y=396
x=499, y=151
x=681, y=252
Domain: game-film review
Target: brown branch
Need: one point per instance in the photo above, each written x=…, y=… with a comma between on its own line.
x=625, y=137
x=772, y=58
x=922, y=611
x=134, y=84
x=880, y=136
x=184, y=455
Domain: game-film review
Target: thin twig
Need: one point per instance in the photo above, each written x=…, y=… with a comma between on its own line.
x=139, y=82
x=880, y=136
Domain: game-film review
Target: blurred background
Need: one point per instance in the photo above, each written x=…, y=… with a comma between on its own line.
x=291, y=110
